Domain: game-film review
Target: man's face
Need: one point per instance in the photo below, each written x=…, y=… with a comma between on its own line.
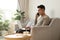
x=41, y=11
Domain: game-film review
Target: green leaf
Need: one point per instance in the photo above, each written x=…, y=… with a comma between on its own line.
x=19, y=15
x=18, y=18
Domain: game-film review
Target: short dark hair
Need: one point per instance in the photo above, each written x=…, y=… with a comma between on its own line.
x=41, y=6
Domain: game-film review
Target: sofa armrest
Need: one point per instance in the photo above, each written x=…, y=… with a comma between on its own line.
x=38, y=33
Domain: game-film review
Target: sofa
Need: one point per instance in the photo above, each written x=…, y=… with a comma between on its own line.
x=47, y=32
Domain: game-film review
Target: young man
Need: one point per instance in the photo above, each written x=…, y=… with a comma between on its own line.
x=40, y=20
x=41, y=17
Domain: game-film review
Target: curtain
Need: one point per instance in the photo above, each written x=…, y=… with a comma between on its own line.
x=24, y=5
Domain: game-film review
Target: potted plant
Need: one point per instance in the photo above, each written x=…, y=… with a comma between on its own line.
x=18, y=17
x=3, y=25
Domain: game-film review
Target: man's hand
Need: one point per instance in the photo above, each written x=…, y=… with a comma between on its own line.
x=28, y=28
x=37, y=15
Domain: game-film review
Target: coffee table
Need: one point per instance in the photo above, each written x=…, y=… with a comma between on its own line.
x=18, y=37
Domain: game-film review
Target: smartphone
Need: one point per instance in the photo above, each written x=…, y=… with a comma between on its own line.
x=38, y=14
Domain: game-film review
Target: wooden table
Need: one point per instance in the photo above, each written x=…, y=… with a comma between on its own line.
x=18, y=37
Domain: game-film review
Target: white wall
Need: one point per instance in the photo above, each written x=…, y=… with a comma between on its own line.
x=52, y=7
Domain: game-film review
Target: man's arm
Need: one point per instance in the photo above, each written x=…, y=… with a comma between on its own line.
x=46, y=20
x=37, y=15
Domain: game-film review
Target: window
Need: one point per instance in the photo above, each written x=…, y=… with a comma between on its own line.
x=8, y=8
